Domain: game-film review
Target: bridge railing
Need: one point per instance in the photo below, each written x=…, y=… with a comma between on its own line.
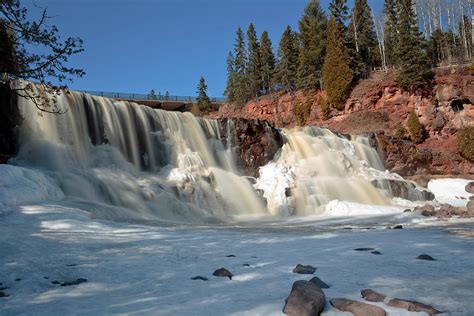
x=142, y=96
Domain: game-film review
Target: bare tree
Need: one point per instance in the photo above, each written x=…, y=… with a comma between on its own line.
x=38, y=55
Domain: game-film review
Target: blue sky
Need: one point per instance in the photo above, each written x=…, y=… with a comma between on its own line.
x=166, y=45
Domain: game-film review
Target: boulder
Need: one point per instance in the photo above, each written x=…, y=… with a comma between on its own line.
x=305, y=299
x=319, y=283
x=223, y=272
x=470, y=207
x=357, y=308
x=413, y=306
x=426, y=210
x=372, y=296
x=426, y=257
x=470, y=187
x=302, y=269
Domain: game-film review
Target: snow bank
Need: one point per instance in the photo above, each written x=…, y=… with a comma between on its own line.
x=20, y=185
x=451, y=191
x=343, y=208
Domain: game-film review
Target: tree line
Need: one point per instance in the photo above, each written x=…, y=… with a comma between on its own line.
x=334, y=50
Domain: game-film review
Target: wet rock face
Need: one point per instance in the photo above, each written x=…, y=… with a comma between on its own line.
x=9, y=119
x=258, y=142
x=401, y=156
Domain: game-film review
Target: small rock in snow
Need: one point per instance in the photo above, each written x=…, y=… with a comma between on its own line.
x=3, y=294
x=3, y=288
x=372, y=296
x=230, y=256
x=46, y=278
x=200, y=278
x=246, y=265
x=17, y=279
x=55, y=282
x=71, y=265
x=301, y=269
x=470, y=187
x=77, y=282
x=305, y=299
x=398, y=227
x=426, y=257
x=357, y=308
x=407, y=211
x=223, y=272
x=364, y=249
x=319, y=283
x=413, y=306
x=376, y=252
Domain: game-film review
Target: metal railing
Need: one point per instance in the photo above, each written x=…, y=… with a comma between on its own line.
x=149, y=97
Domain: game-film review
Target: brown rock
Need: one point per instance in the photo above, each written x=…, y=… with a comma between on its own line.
x=302, y=269
x=305, y=299
x=470, y=207
x=357, y=308
x=426, y=210
x=470, y=187
x=413, y=306
x=223, y=272
x=372, y=296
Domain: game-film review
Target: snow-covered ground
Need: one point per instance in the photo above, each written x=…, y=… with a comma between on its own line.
x=145, y=270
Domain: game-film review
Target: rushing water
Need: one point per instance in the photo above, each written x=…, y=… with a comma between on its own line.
x=131, y=162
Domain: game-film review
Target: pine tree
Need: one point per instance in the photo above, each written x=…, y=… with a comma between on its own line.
x=231, y=76
x=313, y=36
x=337, y=76
x=339, y=10
x=361, y=34
x=415, y=128
x=203, y=101
x=240, y=65
x=253, y=67
x=414, y=70
x=287, y=60
x=267, y=63
x=391, y=10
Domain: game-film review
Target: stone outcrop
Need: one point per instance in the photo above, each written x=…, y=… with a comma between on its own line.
x=9, y=119
x=413, y=306
x=377, y=104
x=357, y=308
x=258, y=142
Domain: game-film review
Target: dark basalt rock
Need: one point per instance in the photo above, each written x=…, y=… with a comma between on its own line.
x=426, y=257
x=319, y=283
x=305, y=299
x=364, y=249
x=376, y=252
x=372, y=296
x=302, y=269
x=357, y=308
x=200, y=278
x=258, y=142
x=10, y=118
x=413, y=306
x=223, y=272
x=398, y=227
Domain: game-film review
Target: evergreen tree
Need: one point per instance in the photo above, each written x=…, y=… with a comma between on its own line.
x=363, y=39
x=267, y=63
x=287, y=60
x=313, y=36
x=391, y=10
x=414, y=70
x=203, y=101
x=253, y=67
x=417, y=131
x=339, y=10
x=231, y=76
x=337, y=76
x=240, y=65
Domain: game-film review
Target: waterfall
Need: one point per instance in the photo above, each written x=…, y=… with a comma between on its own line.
x=124, y=161
x=133, y=162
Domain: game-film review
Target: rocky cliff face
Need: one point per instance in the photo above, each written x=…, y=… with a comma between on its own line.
x=377, y=104
x=9, y=119
x=258, y=141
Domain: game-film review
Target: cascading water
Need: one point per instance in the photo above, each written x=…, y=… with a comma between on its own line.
x=149, y=164
x=123, y=161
